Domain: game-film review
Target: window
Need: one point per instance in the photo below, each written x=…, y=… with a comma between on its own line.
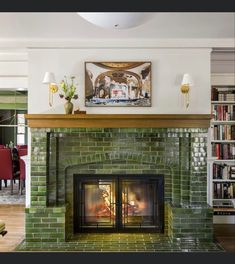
x=20, y=129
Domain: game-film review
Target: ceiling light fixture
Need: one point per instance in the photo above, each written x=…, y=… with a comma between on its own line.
x=116, y=20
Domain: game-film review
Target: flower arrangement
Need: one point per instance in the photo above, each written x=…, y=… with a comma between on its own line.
x=68, y=88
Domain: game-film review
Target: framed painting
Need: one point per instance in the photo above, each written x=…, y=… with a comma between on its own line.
x=118, y=84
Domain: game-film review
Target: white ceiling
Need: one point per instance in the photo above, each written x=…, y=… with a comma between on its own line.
x=72, y=26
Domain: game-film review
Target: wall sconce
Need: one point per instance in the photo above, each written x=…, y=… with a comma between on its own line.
x=185, y=88
x=49, y=78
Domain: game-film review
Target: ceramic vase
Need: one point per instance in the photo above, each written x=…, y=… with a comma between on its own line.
x=68, y=107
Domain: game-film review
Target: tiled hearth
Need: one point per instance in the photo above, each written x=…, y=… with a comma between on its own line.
x=119, y=242
x=177, y=153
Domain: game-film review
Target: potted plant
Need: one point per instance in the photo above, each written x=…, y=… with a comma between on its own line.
x=68, y=89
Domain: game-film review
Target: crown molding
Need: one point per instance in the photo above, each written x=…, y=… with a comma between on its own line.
x=105, y=43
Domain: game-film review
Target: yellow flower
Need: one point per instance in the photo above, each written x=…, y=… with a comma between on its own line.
x=68, y=89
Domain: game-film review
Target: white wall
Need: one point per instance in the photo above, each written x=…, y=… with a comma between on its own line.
x=168, y=66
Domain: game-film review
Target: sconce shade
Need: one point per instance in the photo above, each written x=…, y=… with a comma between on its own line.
x=49, y=77
x=187, y=79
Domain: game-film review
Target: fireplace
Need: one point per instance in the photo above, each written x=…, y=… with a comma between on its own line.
x=77, y=159
x=118, y=203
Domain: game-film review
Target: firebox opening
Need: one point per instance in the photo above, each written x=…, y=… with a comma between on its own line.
x=121, y=203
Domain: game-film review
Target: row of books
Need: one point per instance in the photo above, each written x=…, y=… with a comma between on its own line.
x=224, y=212
x=226, y=97
x=224, y=190
x=223, y=112
x=223, y=132
x=223, y=151
x=223, y=171
x=223, y=94
x=223, y=204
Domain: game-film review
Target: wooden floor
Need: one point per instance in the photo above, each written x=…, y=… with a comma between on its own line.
x=13, y=215
x=225, y=235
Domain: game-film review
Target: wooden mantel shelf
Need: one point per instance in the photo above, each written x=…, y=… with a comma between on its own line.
x=117, y=120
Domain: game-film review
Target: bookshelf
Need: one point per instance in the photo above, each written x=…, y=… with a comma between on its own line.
x=221, y=153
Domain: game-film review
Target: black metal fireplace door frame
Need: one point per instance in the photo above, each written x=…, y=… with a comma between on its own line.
x=158, y=203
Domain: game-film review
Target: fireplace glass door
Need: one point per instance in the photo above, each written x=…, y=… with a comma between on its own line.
x=98, y=204
x=118, y=203
x=139, y=208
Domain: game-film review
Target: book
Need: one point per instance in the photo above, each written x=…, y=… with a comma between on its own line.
x=214, y=94
x=232, y=173
x=217, y=147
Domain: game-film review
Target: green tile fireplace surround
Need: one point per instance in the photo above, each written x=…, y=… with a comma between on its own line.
x=59, y=153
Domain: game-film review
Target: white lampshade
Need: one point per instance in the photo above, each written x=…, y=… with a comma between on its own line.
x=116, y=20
x=187, y=79
x=49, y=77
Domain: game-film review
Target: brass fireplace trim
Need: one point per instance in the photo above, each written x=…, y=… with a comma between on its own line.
x=118, y=121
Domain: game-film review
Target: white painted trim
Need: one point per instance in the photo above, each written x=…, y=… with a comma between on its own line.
x=117, y=43
x=13, y=68
x=14, y=82
x=222, y=79
x=224, y=219
x=13, y=55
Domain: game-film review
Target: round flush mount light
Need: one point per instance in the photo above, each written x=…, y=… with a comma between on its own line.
x=116, y=20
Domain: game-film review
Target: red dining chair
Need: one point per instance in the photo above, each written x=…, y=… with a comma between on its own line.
x=22, y=151
x=22, y=175
x=2, y=147
x=22, y=146
x=6, y=168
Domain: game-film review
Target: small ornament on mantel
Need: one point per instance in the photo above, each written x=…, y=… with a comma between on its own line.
x=79, y=112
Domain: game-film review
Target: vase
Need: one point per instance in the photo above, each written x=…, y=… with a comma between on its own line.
x=68, y=107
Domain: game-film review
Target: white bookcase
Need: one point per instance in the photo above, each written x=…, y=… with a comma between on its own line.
x=221, y=149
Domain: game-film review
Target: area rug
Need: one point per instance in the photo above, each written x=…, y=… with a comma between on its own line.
x=15, y=198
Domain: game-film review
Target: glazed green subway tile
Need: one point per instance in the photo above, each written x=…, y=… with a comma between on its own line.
x=129, y=141
x=56, y=215
x=34, y=168
x=41, y=226
x=40, y=215
x=38, y=203
x=58, y=209
x=29, y=225
x=39, y=174
x=46, y=232
x=56, y=225
x=36, y=193
x=41, y=189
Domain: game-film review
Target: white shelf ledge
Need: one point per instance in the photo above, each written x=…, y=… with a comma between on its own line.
x=222, y=102
x=223, y=161
x=223, y=122
x=222, y=141
x=223, y=180
x=224, y=199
